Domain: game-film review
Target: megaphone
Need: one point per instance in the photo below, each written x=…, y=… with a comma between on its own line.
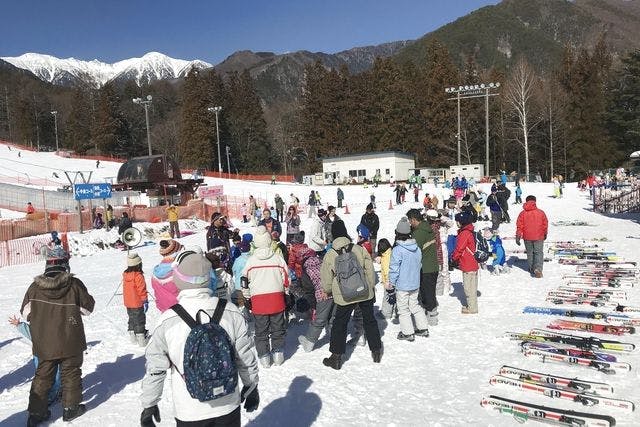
x=131, y=237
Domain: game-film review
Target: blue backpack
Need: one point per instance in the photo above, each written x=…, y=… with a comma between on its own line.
x=209, y=365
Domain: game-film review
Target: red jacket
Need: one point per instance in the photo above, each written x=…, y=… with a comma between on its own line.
x=465, y=248
x=297, y=253
x=532, y=223
x=134, y=289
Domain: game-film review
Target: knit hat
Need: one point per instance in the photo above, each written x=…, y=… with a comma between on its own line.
x=191, y=271
x=262, y=239
x=298, y=238
x=133, y=259
x=321, y=212
x=247, y=237
x=167, y=247
x=54, y=269
x=403, y=226
x=464, y=218
x=275, y=235
x=244, y=247
x=339, y=230
x=370, y=206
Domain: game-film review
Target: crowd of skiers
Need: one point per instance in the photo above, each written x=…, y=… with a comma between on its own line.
x=219, y=303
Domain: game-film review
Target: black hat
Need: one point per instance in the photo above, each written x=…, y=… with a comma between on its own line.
x=464, y=218
x=370, y=206
x=298, y=238
x=338, y=229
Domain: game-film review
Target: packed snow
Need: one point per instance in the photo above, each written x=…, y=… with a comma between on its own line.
x=435, y=381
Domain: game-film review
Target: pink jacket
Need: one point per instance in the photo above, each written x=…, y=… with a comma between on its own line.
x=165, y=290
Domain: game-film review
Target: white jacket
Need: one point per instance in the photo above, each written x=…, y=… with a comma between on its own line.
x=316, y=235
x=166, y=348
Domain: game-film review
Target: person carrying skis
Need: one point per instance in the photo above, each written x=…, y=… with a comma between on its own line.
x=464, y=258
x=167, y=348
x=54, y=305
x=136, y=301
x=532, y=227
x=404, y=277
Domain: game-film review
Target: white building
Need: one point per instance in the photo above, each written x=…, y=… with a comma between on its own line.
x=390, y=165
x=475, y=171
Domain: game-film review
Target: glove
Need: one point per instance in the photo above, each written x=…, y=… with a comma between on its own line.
x=146, y=419
x=518, y=240
x=145, y=305
x=391, y=296
x=251, y=398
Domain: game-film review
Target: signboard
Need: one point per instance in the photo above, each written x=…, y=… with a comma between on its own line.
x=211, y=191
x=92, y=191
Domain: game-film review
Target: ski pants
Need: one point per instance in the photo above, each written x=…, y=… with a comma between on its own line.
x=535, y=254
x=427, y=295
x=496, y=219
x=279, y=216
x=408, y=306
x=339, y=203
x=324, y=311
x=269, y=326
x=470, y=285
x=312, y=211
x=444, y=278
x=232, y=419
x=70, y=376
x=339, y=329
x=174, y=229
x=137, y=320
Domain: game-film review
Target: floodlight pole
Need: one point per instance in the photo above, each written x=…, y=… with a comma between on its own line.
x=217, y=110
x=475, y=91
x=228, y=166
x=145, y=103
x=55, y=121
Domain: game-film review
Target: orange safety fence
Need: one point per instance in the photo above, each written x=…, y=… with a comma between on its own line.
x=251, y=177
x=22, y=251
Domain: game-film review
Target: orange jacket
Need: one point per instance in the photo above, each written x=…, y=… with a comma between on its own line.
x=134, y=289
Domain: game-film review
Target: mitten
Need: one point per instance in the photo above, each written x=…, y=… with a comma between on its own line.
x=146, y=419
x=250, y=397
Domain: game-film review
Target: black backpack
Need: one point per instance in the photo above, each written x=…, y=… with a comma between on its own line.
x=482, y=252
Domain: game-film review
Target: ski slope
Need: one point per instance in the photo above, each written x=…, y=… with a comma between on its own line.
x=435, y=381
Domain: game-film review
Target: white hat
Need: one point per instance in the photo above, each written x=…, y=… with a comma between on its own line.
x=262, y=238
x=133, y=259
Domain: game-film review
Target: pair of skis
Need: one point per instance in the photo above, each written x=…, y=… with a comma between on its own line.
x=587, y=393
x=587, y=343
x=524, y=411
x=602, y=362
x=598, y=328
x=577, y=282
x=623, y=320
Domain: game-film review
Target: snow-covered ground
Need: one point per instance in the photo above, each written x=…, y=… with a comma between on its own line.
x=9, y=214
x=436, y=381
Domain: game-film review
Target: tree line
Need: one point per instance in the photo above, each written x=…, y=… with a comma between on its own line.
x=580, y=116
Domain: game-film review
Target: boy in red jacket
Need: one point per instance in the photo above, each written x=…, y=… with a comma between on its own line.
x=463, y=255
x=532, y=227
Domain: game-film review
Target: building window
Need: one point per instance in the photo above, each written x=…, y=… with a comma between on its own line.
x=362, y=172
x=353, y=173
x=387, y=171
x=377, y=171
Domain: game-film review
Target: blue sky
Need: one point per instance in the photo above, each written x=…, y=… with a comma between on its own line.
x=111, y=30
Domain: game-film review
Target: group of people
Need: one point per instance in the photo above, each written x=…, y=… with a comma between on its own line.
x=235, y=299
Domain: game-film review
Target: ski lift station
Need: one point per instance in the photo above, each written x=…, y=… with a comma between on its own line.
x=355, y=168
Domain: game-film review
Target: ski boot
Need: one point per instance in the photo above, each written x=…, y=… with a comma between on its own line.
x=403, y=337
x=334, y=361
x=73, y=412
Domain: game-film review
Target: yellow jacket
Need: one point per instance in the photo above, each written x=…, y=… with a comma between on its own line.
x=385, y=261
x=172, y=213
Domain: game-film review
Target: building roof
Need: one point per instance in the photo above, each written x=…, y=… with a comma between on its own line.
x=370, y=154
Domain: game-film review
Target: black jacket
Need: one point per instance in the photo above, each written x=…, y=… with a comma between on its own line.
x=372, y=222
x=125, y=222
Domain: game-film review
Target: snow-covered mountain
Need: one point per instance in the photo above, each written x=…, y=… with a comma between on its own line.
x=152, y=66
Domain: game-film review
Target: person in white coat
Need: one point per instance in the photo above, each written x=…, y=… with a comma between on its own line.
x=166, y=349
x=317, y=237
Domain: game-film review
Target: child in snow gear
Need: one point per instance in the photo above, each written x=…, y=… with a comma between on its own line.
x=404, y=277
x=463, y=255
x=170, y=343
x=518, y=195
x=134, y=292
x=497, y=252
x=440, y=226
x=384, y=254
x=165, y=291
x=221, y=282
x=54, y=304
x=266, y=279
x=332, y=285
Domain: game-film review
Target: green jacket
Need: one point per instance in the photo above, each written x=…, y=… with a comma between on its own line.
x=426, y=240
x=279, y=203
x=328, y=275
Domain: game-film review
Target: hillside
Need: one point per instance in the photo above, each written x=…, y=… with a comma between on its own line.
x=538, y=29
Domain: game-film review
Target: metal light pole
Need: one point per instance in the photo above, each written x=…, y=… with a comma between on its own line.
x=475, y=91
x=217, y=110
x=228, y=166
x=55, y=121
x=145, y=104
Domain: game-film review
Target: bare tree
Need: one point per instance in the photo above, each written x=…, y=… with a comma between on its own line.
x=519, y=95
x=553, y=112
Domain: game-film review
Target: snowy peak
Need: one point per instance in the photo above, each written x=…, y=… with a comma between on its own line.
x=152, y=66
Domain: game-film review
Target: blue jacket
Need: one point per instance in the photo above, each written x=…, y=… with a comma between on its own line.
x=518, y=191
x=497, y=250
x=493, y=204
x=406, y=262
x=238, y=266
